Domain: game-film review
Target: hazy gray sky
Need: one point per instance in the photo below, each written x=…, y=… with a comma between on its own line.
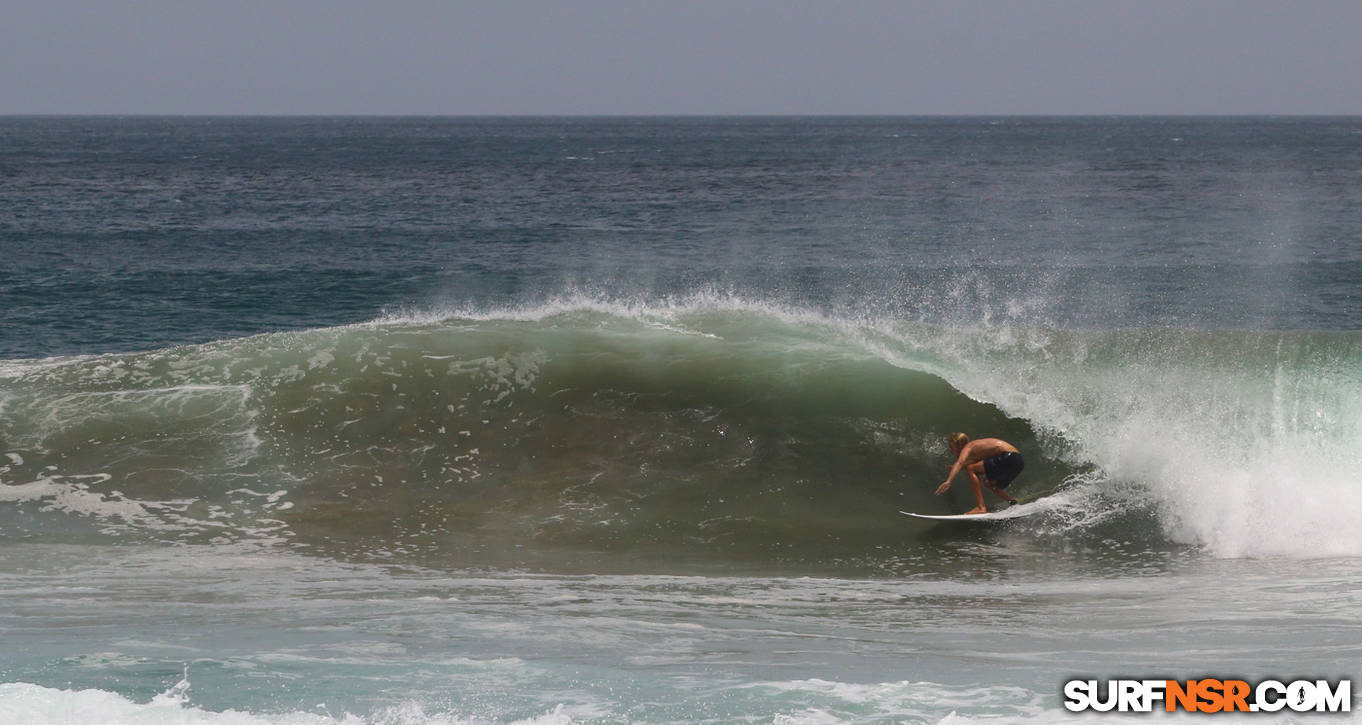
x=681, y=57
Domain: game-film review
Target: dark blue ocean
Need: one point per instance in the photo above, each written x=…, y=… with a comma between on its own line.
x=577, y=420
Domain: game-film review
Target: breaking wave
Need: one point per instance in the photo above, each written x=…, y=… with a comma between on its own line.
x=703, y=428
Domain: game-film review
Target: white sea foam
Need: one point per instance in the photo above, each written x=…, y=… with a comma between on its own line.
x=825, y=703
x=36, y=705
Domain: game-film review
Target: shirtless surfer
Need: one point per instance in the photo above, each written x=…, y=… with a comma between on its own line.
x=994, y=460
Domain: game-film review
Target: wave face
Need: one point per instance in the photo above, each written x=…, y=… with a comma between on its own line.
x=710, y=429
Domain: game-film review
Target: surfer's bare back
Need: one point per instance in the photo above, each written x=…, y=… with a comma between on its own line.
x=993, y=460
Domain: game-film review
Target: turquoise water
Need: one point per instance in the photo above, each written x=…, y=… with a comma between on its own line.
x=610, y=420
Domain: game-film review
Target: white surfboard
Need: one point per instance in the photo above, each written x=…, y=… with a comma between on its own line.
x=1011, y=512
x=1030, y=504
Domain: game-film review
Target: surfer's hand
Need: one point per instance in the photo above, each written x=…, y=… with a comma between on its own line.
x=942, y=488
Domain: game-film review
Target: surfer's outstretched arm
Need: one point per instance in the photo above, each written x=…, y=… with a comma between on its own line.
x=960, y=462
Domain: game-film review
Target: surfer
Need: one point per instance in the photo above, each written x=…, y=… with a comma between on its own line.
x=993, y=459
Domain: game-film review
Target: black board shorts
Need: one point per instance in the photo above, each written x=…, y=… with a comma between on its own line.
x=1000, y=470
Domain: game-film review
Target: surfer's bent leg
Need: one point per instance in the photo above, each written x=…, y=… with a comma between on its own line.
x=980, y=508
x=1001, y=494
x=999, y=473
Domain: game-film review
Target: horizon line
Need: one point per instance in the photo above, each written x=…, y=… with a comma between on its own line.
x=102, y=114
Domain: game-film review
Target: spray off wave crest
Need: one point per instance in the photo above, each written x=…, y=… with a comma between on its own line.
x=699, y=427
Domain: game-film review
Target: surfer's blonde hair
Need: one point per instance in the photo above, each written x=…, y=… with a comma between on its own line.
x=957, y=439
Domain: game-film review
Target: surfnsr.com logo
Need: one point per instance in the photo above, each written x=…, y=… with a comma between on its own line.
x=1207, y=695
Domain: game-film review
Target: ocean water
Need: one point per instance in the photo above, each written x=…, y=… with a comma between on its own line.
x=428, y=420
